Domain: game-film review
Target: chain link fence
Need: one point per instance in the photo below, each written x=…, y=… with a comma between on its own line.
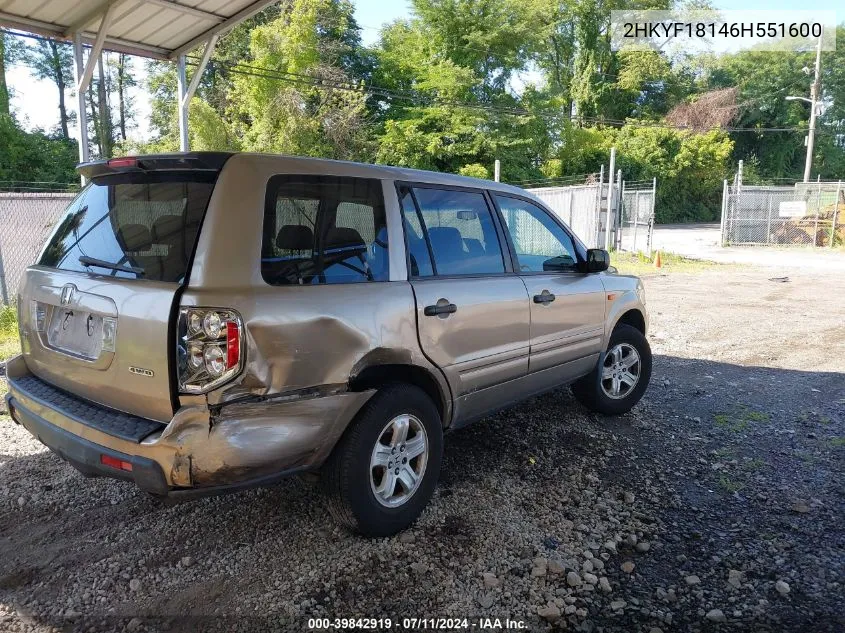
x=26, y=219
x=636, y=226
x=583, y=208
x=578, y=206
x=803, y=214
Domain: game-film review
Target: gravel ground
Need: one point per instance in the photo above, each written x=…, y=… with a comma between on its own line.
x=716, y=505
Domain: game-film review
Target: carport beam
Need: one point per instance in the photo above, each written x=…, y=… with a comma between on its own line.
x=187, y=90
x=82, y=118
x=183, y=104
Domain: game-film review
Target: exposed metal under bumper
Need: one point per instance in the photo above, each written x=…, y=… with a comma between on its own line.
x=86, y=456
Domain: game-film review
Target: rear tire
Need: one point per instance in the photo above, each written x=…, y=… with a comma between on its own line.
x=607, y=388
x=363, y=493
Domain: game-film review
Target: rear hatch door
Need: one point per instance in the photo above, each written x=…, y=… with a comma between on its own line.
x=96, y=310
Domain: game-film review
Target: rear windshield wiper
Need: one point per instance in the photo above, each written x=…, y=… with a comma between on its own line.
x=101, y=263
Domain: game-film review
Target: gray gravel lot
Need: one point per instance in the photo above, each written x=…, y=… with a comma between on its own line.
x=716, y=505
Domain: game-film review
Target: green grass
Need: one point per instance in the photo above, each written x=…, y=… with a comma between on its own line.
x=729, y=484
x=837, y=441
x=638, y=264
x=740, y=419
x=9, y=341
x=754, y=464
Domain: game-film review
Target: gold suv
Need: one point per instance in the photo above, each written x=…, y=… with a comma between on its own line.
x=199, y=323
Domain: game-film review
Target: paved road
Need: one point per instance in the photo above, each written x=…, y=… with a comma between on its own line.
x=701, y=241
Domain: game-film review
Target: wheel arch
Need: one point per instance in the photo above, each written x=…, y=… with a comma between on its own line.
x=378, y=375
x=633, y=317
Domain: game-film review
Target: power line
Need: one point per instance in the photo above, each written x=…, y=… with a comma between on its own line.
x=420, y=100
x=417, y=99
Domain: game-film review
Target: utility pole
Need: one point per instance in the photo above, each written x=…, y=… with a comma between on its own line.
x=814, y=98
x=497, y=169
x=815, y=94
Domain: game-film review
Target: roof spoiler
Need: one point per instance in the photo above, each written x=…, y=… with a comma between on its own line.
x=188, y=161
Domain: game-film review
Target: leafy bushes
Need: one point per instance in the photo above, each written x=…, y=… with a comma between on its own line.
x=35, y=156
x=689, y=166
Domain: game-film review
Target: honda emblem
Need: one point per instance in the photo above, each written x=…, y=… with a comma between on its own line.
x=67, y=294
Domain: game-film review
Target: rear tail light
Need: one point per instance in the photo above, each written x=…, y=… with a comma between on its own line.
x=109, y=331
x=114, y=462
x=210, y=350
x=37, y=315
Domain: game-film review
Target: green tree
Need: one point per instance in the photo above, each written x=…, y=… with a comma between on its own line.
x=308, y=104
x=689, y=168
x=764, y=79
x=53, y=61
x=124, y=82
x=10, y=52
x=35, y=156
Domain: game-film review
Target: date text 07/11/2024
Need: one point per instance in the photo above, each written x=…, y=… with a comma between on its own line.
x=417, y=624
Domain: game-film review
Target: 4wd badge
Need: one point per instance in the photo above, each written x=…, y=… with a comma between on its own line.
x=140, y=371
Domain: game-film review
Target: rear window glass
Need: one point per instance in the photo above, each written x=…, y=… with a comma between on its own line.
x=138, y=226
x=324, y=230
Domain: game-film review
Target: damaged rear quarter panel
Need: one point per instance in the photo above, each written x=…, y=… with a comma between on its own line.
x=302, y=344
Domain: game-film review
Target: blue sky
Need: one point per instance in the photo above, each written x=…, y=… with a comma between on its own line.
x=35, y=102
x=371, y=14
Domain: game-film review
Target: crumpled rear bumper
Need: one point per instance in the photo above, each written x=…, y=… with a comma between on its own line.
x=86, y=456
x=198, y=452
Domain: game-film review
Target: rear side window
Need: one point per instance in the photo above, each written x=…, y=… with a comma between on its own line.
x=324, y=230
x=134, y=226
x=459, y=229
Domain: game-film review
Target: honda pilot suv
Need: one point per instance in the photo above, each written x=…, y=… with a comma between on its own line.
x=204, y=322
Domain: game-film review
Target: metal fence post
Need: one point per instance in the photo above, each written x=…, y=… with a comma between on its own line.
x=769, y=220
x=653, y=217
x=3, y=290
x=622, y=211
x=733, y=204
x=835, y=211
x=818, y=208
x=600, y=192
x=608, y=225
x=617, y=216
x=724, y=212
x=636, y=219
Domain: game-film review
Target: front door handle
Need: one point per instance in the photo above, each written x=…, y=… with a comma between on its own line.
x=440, y=309
x=544, y=297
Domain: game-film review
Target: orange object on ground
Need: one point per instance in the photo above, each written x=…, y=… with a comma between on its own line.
x=657, y=262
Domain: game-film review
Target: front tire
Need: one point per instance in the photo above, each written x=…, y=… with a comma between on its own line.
x=383, y=472
x=621, y=376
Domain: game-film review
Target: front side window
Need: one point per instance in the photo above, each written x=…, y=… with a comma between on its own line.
x=459, y=229
x=132, y=226
x=324, y=230
x=540, y=243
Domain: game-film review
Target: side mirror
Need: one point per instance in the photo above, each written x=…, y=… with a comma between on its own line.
x=598, y=260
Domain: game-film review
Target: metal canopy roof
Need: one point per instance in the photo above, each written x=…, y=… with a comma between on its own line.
x=161, y=29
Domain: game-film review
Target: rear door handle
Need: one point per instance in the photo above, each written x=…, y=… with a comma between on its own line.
x=438, y=309
x=544, y=297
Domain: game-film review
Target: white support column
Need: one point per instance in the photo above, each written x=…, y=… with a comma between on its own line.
x=611, y=210
x=182, y=103
x=187, y=90
x=82, y=115
x=85, y=70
